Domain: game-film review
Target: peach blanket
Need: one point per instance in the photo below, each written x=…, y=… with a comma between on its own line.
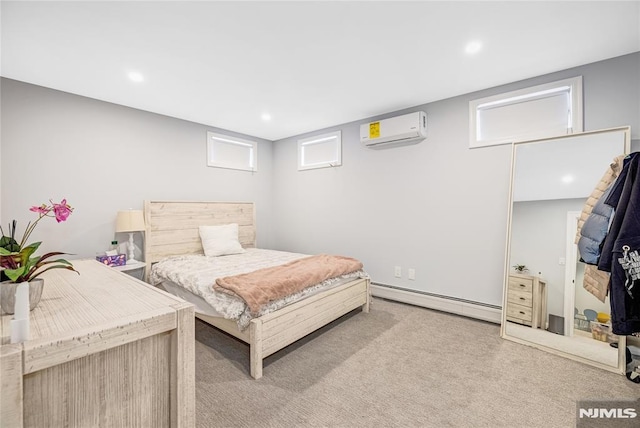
x=264, y=285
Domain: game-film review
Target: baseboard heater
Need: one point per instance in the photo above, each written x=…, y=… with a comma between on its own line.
x=454, y=305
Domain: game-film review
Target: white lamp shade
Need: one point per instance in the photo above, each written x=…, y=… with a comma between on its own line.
x=130, y=221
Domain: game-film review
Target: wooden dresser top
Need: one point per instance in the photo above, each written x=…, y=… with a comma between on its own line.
x=100, y=297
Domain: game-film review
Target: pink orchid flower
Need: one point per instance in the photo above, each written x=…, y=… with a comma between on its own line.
x=42, y=209
x=17, y=259
x=62, y=210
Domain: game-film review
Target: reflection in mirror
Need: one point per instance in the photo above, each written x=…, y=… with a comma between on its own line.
x=545, y=304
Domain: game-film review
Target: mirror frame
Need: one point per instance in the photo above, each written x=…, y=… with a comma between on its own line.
x=621, y=368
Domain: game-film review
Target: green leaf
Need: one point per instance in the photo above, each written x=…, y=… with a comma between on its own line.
x=14, y=274
x=61, y=261
x=26, y=252
x=31, y=248
x=10, y=244
x=31, y=263
x=51, y=254
x=53, y=267
x=35, y=264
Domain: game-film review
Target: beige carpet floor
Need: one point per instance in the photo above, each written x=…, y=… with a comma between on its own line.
x=397, y=366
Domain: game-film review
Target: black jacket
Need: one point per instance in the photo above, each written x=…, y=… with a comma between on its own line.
x=624, y=234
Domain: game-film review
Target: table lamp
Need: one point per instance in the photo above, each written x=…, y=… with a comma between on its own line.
x=130, y=221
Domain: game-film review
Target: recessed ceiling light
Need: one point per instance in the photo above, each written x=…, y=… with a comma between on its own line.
x=136, y=76
x=266, y=117
x=473, y=47
x=568, y=178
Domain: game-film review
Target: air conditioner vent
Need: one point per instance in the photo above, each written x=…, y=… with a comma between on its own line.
x=396, y=131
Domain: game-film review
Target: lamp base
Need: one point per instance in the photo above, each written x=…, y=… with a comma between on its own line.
x=130, y=257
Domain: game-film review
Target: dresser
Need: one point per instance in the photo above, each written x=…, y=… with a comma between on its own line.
x=105, y=350
x=527, y=300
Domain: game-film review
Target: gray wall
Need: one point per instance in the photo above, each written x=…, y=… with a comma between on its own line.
x=104, y=158
x=437, y=207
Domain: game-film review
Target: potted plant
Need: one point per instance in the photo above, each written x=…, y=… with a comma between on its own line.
x=521, y=268
x=18, y=262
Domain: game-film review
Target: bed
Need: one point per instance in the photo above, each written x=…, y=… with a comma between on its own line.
x=172, y=230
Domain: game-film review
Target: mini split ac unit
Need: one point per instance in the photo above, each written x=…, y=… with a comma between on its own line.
x=396, y=131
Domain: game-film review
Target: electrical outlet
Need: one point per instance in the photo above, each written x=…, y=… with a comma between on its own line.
x=398, y=272
x=411, y=274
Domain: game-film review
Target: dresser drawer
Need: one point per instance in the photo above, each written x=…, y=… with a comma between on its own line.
x=521, y=284
x=519, y=313
x=520, y=297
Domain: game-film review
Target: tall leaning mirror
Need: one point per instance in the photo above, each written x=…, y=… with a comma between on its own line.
x=545, y=304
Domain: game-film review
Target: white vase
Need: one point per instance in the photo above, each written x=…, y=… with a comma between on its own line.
x=8, y=294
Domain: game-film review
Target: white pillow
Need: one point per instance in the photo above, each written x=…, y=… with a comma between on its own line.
x=220, y=240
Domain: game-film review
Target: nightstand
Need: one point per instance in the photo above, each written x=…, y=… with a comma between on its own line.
x=129, y=267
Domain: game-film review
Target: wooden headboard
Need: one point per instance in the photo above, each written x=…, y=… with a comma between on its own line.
x=172, y=226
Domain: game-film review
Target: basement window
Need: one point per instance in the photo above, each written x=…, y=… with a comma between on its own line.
x=228, y=152
x=321, y=151
x=542, y=111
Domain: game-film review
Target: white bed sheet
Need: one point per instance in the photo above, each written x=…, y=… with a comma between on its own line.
x=191, y=277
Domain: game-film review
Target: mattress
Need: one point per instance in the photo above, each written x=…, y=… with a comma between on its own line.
x=191, y=277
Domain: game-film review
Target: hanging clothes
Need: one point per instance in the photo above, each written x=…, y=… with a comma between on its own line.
x=607, y=180
x=594, y=230
x=593, y=226
x=621, y=249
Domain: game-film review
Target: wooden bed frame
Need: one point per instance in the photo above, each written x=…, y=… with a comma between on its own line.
x=172, y=229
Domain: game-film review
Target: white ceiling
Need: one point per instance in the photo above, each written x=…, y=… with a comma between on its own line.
x=308, y=64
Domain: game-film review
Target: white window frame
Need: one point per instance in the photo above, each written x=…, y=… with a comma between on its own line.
x=572, y=86
x=330, y=138
x=215, y=160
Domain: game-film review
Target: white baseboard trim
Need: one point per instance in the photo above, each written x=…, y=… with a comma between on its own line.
x=441, y=303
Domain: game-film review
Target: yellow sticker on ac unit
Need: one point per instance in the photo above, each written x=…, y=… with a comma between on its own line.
x=374, y=130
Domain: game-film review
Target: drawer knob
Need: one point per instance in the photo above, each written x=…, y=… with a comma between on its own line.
x=522, y=298
x=522, y=285
x=522, y=312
